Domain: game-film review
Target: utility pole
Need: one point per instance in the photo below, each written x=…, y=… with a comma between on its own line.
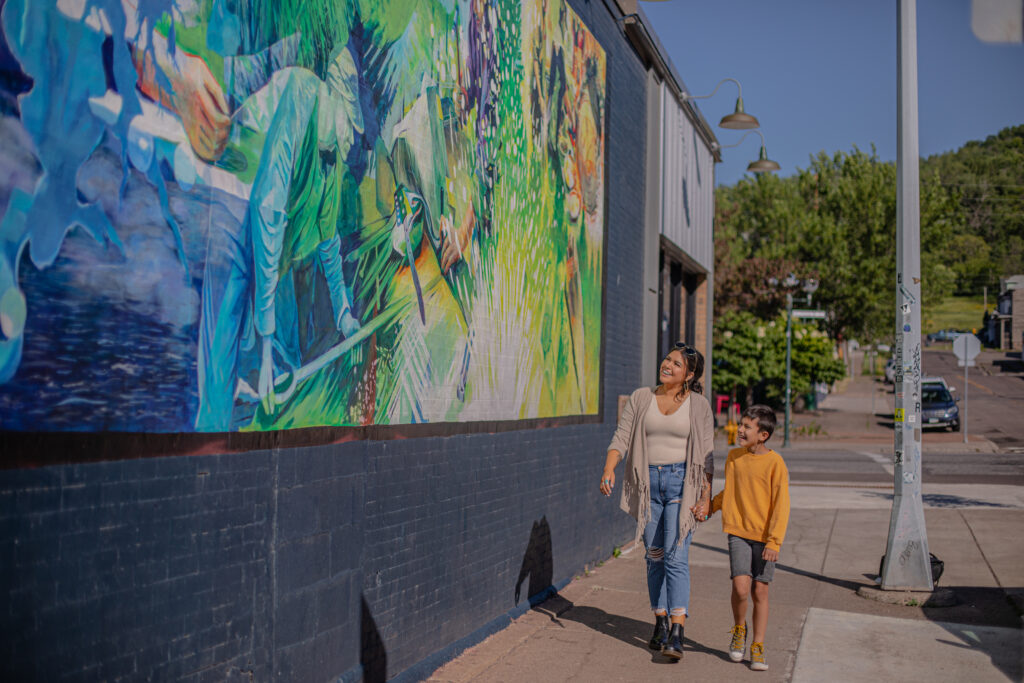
x=907, y=565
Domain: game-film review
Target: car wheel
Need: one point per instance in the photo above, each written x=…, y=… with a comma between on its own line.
x=955, y=427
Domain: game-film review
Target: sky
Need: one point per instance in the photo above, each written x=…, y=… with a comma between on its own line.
x=821, y=75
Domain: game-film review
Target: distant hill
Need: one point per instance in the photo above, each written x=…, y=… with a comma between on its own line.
x=987, y=179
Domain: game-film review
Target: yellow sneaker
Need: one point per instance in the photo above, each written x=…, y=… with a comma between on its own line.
x=739, y=643
x=757, y=660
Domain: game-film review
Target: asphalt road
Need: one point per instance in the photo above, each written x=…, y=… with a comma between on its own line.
x=872, y=466
x=994, y=393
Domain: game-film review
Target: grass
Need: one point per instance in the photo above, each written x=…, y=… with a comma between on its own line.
x=955, y=312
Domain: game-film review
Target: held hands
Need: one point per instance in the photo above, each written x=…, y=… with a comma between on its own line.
x=607, y=482
x=701, y=511
x=770, y=555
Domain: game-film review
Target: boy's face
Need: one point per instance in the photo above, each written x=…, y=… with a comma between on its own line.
x=748, y=433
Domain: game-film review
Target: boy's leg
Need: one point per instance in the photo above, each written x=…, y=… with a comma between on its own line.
x=760, y=610
x=740, y=560
x=763, y=572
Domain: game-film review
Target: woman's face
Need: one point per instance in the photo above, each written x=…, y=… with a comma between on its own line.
x=674, y=371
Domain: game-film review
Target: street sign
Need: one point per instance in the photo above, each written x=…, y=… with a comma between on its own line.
x=966, y=347
x=807, y=313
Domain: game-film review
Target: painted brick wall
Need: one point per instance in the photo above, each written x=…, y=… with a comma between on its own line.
x=362, y=560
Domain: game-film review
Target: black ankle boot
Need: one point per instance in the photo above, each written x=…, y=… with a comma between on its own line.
x=660, y=632
x=674, y=645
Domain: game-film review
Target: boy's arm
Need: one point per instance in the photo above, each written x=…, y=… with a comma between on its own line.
x=779, y=509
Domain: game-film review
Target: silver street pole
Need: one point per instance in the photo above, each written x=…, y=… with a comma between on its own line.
x=907, y=564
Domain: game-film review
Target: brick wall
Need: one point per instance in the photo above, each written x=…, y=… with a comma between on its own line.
x=365, y=559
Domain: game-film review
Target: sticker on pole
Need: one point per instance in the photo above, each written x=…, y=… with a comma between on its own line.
x=966, y=347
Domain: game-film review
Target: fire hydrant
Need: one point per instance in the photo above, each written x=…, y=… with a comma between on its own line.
x=730, y=432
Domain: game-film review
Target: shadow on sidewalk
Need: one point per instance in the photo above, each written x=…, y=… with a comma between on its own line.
x=630, y=631
x=848, y=585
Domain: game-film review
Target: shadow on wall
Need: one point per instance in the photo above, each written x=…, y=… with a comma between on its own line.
x=372, y=655
x=537, y=564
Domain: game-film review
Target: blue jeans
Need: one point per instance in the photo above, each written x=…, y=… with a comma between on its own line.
x=668, y=563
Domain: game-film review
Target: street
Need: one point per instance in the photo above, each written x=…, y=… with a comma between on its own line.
x=995, y=393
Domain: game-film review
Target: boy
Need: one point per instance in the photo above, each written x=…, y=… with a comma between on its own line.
x=755, y=510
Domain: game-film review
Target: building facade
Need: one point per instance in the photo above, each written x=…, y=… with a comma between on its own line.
x=1005, y=325
x=318, y=385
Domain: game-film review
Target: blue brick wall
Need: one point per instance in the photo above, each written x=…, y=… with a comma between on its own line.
x=359, y=560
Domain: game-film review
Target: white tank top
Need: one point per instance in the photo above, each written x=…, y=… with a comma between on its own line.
x=667, y=434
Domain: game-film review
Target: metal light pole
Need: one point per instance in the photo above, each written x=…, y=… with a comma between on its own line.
x=789, y=355
x=907, y=564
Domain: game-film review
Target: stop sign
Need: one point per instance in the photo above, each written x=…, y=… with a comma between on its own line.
x=966, y=347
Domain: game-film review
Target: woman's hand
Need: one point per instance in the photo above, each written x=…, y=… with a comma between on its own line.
x=607, y=482
x=700, y=510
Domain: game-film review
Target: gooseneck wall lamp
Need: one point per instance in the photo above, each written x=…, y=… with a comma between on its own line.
x=763, y=163
x=739, y=119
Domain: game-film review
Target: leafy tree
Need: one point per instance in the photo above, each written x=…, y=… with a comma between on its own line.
x=986, y=178
x=835, y=220
x=750, y=358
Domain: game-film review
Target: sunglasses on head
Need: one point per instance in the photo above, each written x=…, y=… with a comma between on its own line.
x=685, y=349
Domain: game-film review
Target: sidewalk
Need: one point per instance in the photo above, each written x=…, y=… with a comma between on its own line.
x=597, y=628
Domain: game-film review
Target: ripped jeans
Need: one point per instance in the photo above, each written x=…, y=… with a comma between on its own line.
x=668, y=564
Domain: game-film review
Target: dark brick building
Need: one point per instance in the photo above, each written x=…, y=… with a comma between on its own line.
x=370, y=559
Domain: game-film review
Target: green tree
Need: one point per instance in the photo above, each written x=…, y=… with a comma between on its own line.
x=835, y=220
x=750, y=358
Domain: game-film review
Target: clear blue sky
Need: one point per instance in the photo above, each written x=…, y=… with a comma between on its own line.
x=821, y=74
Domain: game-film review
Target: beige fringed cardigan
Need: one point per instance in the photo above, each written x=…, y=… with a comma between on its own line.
x=630, y=438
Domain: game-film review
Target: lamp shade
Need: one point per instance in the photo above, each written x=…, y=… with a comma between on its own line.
x=739, y=119
x=763, y=163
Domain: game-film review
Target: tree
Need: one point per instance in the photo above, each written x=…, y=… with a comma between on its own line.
x=835, y=220
x=750, y=358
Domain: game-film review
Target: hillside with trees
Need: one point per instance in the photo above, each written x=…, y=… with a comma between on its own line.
x=836, y=221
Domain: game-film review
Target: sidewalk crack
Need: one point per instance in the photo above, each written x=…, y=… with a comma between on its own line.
x=983, y=556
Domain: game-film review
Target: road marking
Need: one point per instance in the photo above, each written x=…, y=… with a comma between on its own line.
x=980, y=386
x=882, y=460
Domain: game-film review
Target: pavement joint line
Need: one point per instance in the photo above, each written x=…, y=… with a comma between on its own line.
x=975, y=539
x=828, y=544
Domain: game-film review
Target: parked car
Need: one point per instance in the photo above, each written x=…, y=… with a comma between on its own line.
x=935, y=379
x=938, y=407
x=890, y=371
x=942, y=336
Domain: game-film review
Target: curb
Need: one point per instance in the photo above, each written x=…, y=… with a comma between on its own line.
x=940, y=597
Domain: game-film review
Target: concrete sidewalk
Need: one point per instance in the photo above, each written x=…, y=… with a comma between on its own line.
x=597, y=628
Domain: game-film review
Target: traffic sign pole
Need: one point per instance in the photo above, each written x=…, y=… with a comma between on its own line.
x=964, y=425
x=966, y=347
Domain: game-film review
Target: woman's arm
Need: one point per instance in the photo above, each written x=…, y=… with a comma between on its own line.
x=608, y=477
x=619, y=445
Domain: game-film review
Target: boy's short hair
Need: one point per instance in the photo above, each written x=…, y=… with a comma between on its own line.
x=763, y=416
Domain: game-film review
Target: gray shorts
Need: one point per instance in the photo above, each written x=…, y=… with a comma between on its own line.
x=745, y=560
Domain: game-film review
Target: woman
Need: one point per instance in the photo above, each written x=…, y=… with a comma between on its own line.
x=667, y=435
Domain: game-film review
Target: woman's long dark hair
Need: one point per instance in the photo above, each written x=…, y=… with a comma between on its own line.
x=695, y=363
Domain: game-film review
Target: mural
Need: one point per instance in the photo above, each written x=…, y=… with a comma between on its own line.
x=224, y=215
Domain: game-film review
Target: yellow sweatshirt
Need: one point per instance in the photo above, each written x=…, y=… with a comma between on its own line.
x=755, y=501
